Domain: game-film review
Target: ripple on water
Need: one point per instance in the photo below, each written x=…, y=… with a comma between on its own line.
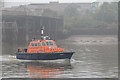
x=89, y=61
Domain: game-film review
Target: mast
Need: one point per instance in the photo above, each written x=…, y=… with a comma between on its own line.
x=42, y=34
x=42, y=31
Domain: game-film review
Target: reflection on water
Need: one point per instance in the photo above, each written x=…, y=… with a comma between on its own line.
x=95, y=57
x=45, y=70
x=35, y=69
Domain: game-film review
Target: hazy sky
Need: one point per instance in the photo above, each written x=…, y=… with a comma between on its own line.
x=46, y=1
x=10, y=3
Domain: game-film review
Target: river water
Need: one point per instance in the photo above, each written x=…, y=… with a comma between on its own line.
x=95, y=57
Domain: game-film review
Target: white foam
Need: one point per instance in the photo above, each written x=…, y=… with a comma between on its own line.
x=75, y=61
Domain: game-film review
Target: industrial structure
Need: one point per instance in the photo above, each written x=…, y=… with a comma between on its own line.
x=20, y=29
x=37, y=9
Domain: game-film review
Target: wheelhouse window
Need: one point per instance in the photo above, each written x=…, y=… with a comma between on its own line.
x=39, y=44
x=32, y=44
x=35, y=44
x=43, y=44
x=50, y=43
x=47, y=43
x=54, y=43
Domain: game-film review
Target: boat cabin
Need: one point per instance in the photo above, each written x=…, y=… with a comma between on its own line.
x=43, y=46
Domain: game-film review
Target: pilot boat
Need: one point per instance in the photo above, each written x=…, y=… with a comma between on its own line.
x=43, y=49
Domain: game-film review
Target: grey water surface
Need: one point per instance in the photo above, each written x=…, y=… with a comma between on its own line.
x=95, y=57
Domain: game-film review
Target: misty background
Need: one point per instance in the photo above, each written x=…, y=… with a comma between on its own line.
x=61, y=20
x=88, y=28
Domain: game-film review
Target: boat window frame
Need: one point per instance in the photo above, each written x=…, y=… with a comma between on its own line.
x=51, y=43
x=44, y=44
x=47, y=43
x=35, y=44
x=54, y=43
x=39, y=45
x=32, y=45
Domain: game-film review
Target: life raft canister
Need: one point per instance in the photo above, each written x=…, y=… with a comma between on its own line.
x=20, y=50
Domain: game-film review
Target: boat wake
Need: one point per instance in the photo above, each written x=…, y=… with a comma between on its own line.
x=8, y=58
x=75, y=61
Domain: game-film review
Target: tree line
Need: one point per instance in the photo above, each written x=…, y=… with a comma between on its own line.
x=105, y=17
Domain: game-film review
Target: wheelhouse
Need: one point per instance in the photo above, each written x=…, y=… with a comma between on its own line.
x=43, y=46
x=42, y=43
